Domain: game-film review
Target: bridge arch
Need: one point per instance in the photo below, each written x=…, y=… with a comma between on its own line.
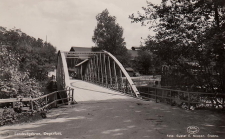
x=101, y=68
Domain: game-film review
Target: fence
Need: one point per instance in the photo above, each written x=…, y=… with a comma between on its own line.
x=182, y=98
x=40, y=103
x=52, y=99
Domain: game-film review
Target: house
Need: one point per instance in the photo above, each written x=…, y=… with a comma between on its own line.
x=133, y=54
x=80, y=49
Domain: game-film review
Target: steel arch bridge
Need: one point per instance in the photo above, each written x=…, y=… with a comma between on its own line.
x=100, y=68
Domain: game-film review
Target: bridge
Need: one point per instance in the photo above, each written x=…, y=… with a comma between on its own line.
x=100, y=68
x=109, y=104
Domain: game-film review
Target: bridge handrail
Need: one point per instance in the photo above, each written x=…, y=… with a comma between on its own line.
x=167, y=89
x=135, y=90
x=55, y=100
x=170, y=95
x=47, y=99
x=8, y=100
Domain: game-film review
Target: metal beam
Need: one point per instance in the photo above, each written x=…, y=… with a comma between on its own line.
x=110, y=76
x=81, y=62
x=134, y=89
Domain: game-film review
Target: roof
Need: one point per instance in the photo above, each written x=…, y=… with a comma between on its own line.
x=89, y=49
x=81, y=49
x=133, y=53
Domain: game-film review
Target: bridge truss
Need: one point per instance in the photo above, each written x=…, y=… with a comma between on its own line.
x=101, y=68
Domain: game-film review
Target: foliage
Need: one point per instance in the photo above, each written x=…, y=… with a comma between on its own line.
x=146, y=62
x=31, y=55
x=25, y=62
x=108, y=35
x=143, y=61
x=189, y=40
x=8, y=116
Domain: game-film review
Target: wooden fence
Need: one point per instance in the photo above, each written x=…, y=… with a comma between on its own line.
x=38, y=104
x=178, y=97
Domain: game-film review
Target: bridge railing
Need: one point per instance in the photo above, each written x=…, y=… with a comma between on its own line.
x=52, y=99
x=39, y=104
x=104, y=69
x=182, y=98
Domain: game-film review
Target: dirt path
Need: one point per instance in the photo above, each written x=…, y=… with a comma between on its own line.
x=120, y=119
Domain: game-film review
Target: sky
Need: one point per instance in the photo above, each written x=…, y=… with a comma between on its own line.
x=69, y=23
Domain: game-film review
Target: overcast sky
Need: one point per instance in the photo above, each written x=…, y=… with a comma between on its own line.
x=70, y=22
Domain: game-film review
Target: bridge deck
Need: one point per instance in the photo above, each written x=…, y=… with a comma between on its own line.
x=84, y=91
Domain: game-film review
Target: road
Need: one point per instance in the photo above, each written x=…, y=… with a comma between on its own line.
x=120, y=117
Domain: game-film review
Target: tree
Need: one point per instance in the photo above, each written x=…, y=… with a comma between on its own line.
x=31, y=54
x=24, y=61
x=39, y=42
x=189, y=37
x=108, y=35
x=144, y=61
